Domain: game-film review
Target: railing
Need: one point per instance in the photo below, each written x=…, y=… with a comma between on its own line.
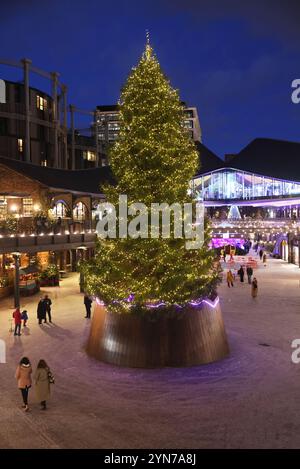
x=10, y=243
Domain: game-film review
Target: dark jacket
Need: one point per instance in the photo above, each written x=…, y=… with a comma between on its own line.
x=249, y=271
x=47, y=302
x=41, y=309
x=87, y=301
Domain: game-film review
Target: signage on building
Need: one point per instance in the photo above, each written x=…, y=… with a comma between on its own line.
x=2, y=92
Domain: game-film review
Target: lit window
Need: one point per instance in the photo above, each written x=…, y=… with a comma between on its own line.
x=188, y=124
x=59, y=210
x=89, y=155
x=3, y=207
x=27, y=207
x=20, y=145
x=79, y=212
x=44, y=163
x=41, y=103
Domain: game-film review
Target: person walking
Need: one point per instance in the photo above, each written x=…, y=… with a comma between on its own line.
x=261, y=254
x=229, y=278
x=24, y=317
x=254, y=288
x=265, y=259
x=42, y=383
x=241, y=273
x=23, y=377
x=18, y=321
x=48, y=303
x=249, y=274
x=88, y=304
x=41, y=311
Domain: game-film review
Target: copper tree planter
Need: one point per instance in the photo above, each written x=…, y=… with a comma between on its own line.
x=194, y=336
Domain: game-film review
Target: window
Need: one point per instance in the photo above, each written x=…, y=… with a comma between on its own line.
x=189, y=113
x=27, y=207
x=41, y=103
x=59, y=210
x=3, y=207
x=20, y=145
x=44, y=163
x=188, y=124
x=89, y=155
x=79, y=211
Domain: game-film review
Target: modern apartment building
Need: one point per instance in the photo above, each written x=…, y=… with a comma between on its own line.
x=108, y=125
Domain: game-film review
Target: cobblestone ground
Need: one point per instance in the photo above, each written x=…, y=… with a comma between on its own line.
x=251, y=399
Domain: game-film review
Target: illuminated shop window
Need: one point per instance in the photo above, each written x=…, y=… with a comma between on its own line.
x=44, y=163
x=59, y=210
x=41, y=103
x=3, y=207
x=79, y=212
x=27, y=207
x=20, y=145
x=89, y=155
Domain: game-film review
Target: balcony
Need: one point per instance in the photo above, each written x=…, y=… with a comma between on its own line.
x=46, y=242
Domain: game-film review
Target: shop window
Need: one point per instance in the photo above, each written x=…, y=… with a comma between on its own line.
x=60, y=210
x=41, y=103
x=44, y=163
x=27, y=207
x=3, y=207
x=79, y=212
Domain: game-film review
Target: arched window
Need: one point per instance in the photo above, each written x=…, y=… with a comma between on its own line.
x=80, y=212
x=60, y=210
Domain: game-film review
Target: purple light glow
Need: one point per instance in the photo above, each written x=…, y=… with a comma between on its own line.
x=193, y=303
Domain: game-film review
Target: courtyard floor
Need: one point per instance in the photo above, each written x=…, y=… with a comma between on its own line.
x=249, y=400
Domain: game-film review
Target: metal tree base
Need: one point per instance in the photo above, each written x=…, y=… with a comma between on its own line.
x=194, y=336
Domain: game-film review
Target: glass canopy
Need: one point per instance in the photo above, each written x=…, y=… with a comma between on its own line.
x=232, y=184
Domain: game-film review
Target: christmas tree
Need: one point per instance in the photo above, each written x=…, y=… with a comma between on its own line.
x=153, y=161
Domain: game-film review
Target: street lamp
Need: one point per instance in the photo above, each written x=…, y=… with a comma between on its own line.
x=16, y=255
x=81, y=250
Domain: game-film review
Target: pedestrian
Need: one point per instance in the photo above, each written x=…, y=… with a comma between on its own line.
x=41, y=311
x=229, y=278
x=48, y=303
x=261, y=254
x=241, y=273
x=254, y=288
x=24, y=317
x=23, y=376
x=249, y=274
x=88, y=304
x=18, y=321
x=42, y=383
x=265, y=259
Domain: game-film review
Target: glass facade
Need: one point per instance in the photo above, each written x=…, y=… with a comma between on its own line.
x=231, y=184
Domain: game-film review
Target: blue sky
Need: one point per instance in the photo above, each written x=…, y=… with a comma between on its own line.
x=234, y=60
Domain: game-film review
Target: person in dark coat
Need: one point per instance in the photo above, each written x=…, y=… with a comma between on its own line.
x=88, y=304
x=48, y=303
x=241, y=273
x=261, y=252
x=249, y=274
x=41, y=311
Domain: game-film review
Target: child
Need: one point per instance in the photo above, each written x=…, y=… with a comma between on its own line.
x=24, y=316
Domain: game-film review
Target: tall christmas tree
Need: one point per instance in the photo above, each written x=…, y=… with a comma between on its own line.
x=153, y=161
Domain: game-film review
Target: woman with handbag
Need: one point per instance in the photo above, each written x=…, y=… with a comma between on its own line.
x=23, y=376
x=43, y=378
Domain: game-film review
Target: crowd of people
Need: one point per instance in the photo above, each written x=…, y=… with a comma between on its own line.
x=242, y=272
